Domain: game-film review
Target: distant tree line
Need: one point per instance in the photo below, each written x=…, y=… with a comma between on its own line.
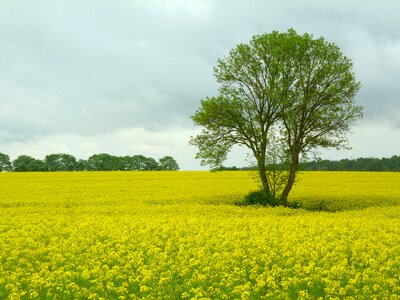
x=359, y=164
x=391, y=164
x=96, y=162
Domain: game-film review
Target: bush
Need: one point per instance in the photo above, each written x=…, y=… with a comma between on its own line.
x=294, y=204
x=261, y=197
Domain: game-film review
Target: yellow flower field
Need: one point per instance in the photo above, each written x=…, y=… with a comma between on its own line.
x=178, y=235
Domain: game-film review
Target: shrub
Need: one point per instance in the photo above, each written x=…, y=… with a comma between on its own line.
x=263, y=198
x=294, y=204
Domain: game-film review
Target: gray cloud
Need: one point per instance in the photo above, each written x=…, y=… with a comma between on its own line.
x=93, y=67
x=73, y=69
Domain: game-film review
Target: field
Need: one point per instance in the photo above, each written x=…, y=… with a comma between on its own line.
x=178, y=235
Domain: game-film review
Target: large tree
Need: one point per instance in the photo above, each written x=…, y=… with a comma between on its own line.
x=26, y=163
x=281, y=91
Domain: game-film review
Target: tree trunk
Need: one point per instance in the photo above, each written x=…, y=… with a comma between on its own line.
x=263, y=176
x=291, y=179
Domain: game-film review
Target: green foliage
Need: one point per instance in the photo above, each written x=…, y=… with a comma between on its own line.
x=26, y=163
x=293, y=204
x=135, y=162
x=262, y=198
x=277, y=163
x=391, y=164
x=107, y=162
x=81, y=165
x=60, y=162
x=168, y=163
x=150, y=164
x=96, y=162
x=5, y=163
x=219, y=117
x=102, y=162
x=281, y=96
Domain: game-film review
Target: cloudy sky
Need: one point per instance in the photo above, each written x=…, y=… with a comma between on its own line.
x=124, y=76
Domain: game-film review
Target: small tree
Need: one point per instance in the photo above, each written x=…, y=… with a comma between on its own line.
x=5, y=163
x=168, y=163
x=293, y=87
x=277, y=161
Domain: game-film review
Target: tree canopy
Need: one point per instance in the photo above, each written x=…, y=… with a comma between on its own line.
x=5, y=163
x=96, y=162
x=26, y=163
x=391, y=164
x=60, y=162
x=168, y=163
x=281, y=96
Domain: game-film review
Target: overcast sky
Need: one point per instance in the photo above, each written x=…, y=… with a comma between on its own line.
x=124, y=77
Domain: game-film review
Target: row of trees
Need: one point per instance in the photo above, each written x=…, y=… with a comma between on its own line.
x=96, y=162
x=391, y=164
x=359, y=164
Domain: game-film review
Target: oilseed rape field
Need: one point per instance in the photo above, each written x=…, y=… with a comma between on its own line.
x=178, y=235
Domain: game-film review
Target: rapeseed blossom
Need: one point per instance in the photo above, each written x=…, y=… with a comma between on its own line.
x=176, y=235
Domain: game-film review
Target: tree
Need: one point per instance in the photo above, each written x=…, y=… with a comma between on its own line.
x=81, y=165
x=150, y=164
x=317, y=105
x=141, y=163
x=138, y=162
x=126, y=163
x=26, y=163
x=132, y=163
x=168, y=163
x=5, y=163
x=102, y=162
x=60, y=162
x=282, y=87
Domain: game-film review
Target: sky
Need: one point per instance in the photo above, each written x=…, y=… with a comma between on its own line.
x=124, y=76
